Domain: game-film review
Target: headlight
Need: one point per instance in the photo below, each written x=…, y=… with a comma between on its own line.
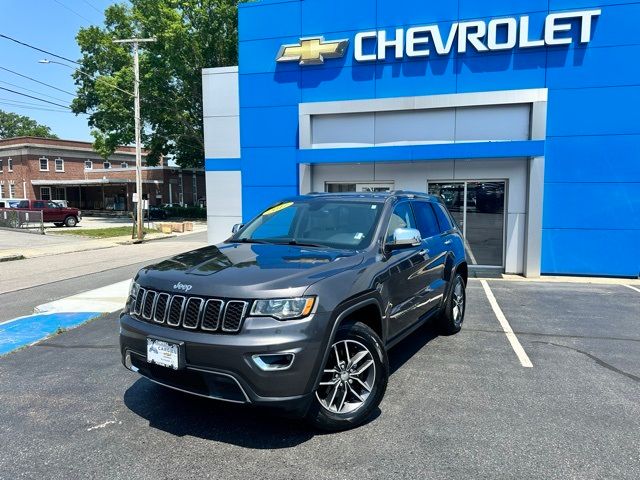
x=133, y=290
x=283, y=308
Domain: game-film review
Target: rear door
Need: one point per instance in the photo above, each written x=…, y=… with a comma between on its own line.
x=435, y=255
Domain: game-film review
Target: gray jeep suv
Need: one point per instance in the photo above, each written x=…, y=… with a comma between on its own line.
x=298, y=308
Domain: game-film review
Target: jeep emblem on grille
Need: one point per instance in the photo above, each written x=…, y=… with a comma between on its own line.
x=182, y=286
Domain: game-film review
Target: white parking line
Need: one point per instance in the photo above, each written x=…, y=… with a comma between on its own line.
x=513, y=340
x=633, y=288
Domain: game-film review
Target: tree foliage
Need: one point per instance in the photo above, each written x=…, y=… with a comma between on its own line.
x=14, y=125
x=191, y=35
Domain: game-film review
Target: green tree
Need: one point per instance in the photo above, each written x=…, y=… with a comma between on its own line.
x=14, y=125
x=191, y=35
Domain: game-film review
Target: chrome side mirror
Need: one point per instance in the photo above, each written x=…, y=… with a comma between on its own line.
x=236, y=227
x=405, y=237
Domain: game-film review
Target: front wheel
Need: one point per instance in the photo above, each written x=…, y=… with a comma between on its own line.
x=353, y=381
x=452, y=315
x=71, y=221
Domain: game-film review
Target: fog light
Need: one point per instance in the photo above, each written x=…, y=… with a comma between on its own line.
x=273, y=361
x=128, y=364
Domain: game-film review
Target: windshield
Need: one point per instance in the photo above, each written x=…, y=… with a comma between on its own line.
x=315, y=222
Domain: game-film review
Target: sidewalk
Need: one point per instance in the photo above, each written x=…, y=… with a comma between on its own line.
x=84, y=259
x=29, y=245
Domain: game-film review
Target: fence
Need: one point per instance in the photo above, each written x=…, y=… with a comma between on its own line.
x=22, y=219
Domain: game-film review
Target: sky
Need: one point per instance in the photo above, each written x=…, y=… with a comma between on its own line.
x=51, y=25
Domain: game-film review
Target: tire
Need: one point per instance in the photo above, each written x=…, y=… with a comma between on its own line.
x=452, y=315
x=348, y=399
x=70, y=221
x=58, y=224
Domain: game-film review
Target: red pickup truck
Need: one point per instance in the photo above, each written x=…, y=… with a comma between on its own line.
x=52, y=212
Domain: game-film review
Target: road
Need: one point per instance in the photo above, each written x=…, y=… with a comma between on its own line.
x=461, y=406
x=34, y=281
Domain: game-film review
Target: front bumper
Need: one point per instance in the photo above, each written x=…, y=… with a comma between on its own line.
x=220, y=365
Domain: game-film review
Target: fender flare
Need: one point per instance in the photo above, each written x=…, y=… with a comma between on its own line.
x=370, y=299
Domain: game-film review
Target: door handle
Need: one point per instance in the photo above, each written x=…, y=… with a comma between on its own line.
x=448, y=242
x=424, y=252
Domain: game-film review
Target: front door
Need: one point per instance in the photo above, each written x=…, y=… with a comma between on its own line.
x=405, y=279
x=479, y=208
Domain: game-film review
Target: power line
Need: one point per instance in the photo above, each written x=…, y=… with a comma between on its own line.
x=32, y=91
x=38, y=49
x=92, y=6
x=72, y=11
x=37, y=81
x=35, y=98
x=40, y=109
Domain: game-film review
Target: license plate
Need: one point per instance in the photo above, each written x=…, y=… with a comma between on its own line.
x=163, y=353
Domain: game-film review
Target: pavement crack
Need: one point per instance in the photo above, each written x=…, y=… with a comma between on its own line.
x=599, y=361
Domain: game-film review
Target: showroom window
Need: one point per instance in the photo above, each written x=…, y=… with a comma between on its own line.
x=44, y=164
x=340, y=187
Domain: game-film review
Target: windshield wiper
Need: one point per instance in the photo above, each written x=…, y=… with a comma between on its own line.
x=302, y=244
x=249, y=240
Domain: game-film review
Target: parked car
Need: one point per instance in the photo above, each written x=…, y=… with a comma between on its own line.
x=52, y=212
x=156, y=213
x=298, y=308
x=10, y=202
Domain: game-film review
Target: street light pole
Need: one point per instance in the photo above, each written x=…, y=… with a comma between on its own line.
x=136, y=99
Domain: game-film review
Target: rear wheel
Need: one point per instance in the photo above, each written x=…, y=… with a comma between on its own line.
x=71, y=221
x=452, y=315
x=353, y=380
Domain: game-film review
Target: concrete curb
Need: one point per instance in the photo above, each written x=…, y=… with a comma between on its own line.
x=567, y=279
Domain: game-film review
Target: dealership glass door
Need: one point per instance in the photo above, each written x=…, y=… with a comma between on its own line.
x=479, y=209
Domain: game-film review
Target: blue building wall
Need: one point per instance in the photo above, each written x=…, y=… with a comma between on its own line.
x=591, y=220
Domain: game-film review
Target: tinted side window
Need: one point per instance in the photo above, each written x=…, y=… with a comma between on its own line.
x=402, y=217
x=443, y=217
x=23, y=204
x=38, y=204
x=426, y=219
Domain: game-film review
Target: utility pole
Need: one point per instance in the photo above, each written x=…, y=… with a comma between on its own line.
x=136, y=99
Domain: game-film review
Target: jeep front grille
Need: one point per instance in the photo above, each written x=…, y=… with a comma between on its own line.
x=192, y=313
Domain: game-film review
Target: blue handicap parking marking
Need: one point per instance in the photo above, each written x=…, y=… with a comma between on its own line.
x=23, y=331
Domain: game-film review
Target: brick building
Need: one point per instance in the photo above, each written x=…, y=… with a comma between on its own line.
x=51, y=169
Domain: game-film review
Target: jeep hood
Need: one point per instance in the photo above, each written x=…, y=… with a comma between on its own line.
x=243, y=270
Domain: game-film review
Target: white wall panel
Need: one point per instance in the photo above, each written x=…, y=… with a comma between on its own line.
x=347, y=130
x=220, y=92
x=493, y=122
x=222, y=137
x=415, y=126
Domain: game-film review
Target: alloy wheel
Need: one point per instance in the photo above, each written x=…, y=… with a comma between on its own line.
x=348, y=377
x=457, y=303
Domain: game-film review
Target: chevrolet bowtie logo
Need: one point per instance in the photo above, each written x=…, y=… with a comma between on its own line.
x=312, y=51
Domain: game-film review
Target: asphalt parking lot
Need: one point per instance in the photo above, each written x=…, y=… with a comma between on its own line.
x=456, y=407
